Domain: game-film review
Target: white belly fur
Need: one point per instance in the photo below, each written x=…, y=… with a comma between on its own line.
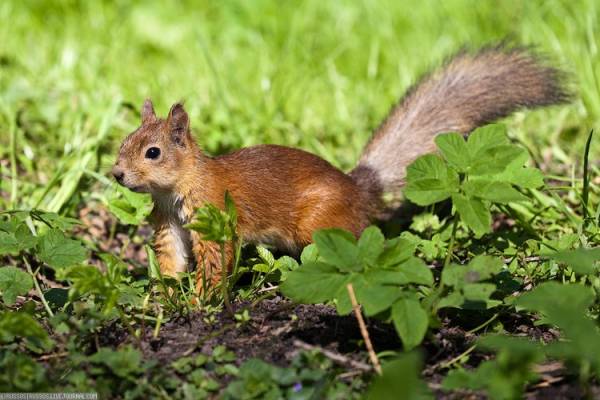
x=171, y=206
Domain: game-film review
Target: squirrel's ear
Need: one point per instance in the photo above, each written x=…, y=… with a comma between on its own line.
x=178, y=122
x=148, y=114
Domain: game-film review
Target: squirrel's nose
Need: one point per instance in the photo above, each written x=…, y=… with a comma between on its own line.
x=118, y=173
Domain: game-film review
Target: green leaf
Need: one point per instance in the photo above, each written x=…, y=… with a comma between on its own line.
x=129, y=207
x=416, y=271
x=401, y=379
x=309, y=254
x=395, y=252
x=516, y=174
x=429, y=191
x=19, y=238
x=22, y=325
x=498, y=192
x=453, y=275
x=474, y=213
x=25, y=238
x=124, y=362
x=514, y=345
x=429, y=166
x=491, y=151
x=478, y=291
x=506, y=376
x=56, y=221
x=58, y=251
x=479, y=269
x=453, y=300
x=483, y=267
x=525, y=177
x=266, y=256
x=214, y=224
x=454, y=149
x=8, y=243
x=57, y=297
x=410, y=321
x=313, y=282
x=14, y=282
x=88, y=280
x=486, y=137
x=552, y=296
x=370, y=245
x=413, y=270
x=430, y=180
x=495, y=160
x=153, y=265
x=338, y=247
x=583, y=261
x=230, y=208
x=374, y=296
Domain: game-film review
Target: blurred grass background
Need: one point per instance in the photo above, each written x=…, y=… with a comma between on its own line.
x=315, y=74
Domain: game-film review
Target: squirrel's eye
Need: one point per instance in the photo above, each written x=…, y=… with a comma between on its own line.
x=153, y=152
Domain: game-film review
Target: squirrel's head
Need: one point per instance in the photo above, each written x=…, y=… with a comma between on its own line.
x=152, y=157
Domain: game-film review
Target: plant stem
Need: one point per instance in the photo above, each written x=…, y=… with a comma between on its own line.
x=224, y=285
x=13, y=161
x=486, y=323
x=586, y=179
x=452, y=240
x=457, y=358
x=363, y=329
x=37, y=287
x=126, y=321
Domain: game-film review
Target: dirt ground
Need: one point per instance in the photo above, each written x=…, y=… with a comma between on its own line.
x=278, y=329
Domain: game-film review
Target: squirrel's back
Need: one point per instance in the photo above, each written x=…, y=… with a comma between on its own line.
x=470, y=90
x=284, y=194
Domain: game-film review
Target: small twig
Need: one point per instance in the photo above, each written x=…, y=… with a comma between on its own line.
x=54, y=355
x=268, y=289
x=363, y=329
x=349, y=374
x=526, y=259
x=335, y=357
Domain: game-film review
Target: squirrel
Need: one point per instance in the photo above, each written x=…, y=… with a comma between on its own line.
x=283, y=195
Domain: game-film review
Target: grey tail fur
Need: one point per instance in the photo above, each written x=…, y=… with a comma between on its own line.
x=468, y=91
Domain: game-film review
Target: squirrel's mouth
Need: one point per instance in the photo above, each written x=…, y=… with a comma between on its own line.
x=137, y=189
x=134, y=188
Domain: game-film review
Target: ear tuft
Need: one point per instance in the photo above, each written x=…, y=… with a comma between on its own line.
x=148, y=114
x=179, y=122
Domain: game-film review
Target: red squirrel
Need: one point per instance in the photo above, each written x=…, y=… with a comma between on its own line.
x=283, y=194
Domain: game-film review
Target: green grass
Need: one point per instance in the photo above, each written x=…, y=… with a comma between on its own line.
x=318, y=75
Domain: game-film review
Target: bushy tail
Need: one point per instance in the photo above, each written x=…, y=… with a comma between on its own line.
x=470, y=90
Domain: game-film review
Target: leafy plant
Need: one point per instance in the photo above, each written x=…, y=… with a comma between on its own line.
x=310, y=375
x=400, y=378
x=220, y=226
x=384, y=274
x=129, y=207
x=478, y=172
x=14, y=282
x=504, y=377
x=467, y=284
